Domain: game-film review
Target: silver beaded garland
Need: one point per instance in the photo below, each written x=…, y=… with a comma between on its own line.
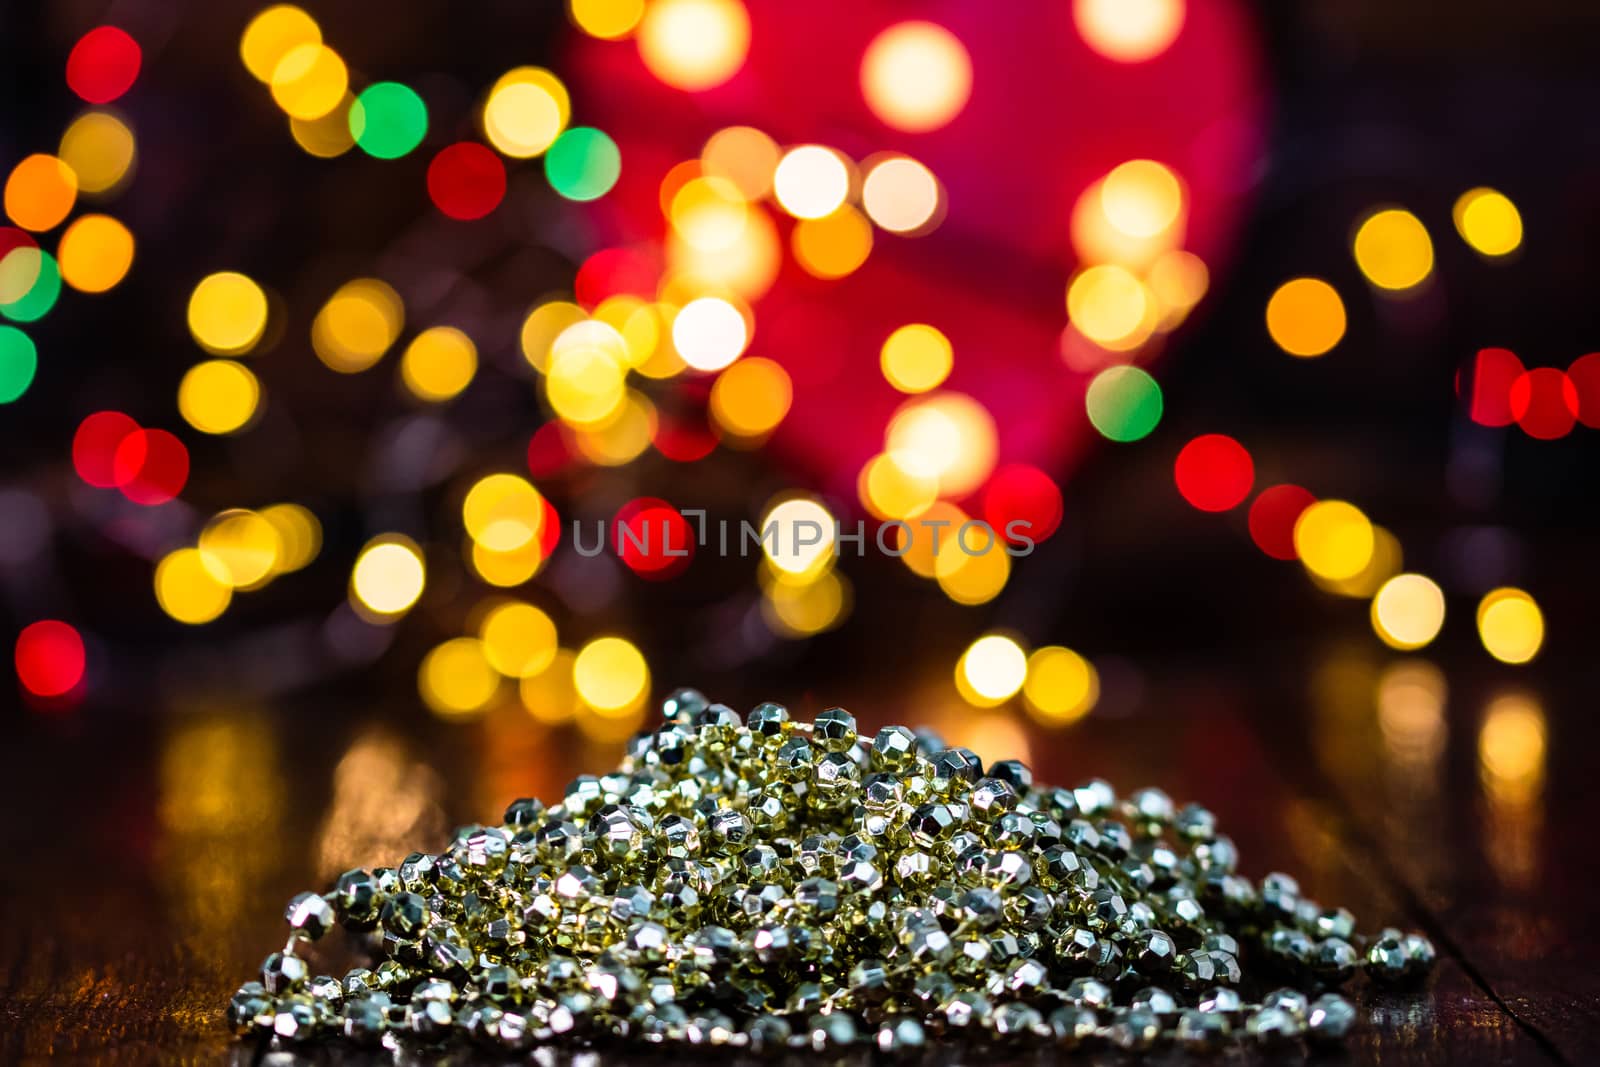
x=770, y=885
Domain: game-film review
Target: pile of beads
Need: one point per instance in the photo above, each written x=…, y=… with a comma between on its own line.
x=770, y=885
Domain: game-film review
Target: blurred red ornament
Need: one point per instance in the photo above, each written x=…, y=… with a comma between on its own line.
x=466, y=181
x=1214, y=472
x=1272, y=519
x=50, y=658
x=103, y=64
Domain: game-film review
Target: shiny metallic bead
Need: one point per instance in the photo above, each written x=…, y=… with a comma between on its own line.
x=1155, y=1000
x=365, y=1020
x=1330, y=1018
x=1203, y=1031
x=1280, y=895
x=768, y=720
x=900, y=1034
x=1152, y=952
x=1290, y=1000
x=1334, y=961
x=1420, y=955
x=1088, y=993
x=682, y=705
x=282, y=973
x=1134, y=1029
x=297, y=1018
x=309, y=915
x=1070, y=1026
x=1334, y=922
x=1220, y=1000
x=992, y=797
x=834, y=730
x=356, y=899
x=416, y=872
x=1019, y=1022
x=955, y=769
x=767, y=1034
x=251, y=1009
x=404, y=915
x=1273, y=1026
x=835, y=1030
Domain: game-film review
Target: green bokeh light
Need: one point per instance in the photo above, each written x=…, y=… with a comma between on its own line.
x=583, y=164
x=1124, y=403
x=18, y=362
x=388, y=120
x=41, y=297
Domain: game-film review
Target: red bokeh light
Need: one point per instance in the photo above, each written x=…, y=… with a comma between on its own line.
x=652, y=538
x=50, y=658
x=1214, y=472
x=150, y=467
x=616, y=270
x=1022, y=492
x=1585, y=377
x=549, y=450
x=12, y=239
x=1272, y=519
x=1544, y=402
x=103, y=64
x=94, y=447
x=683, y=441
x=466, y=181
x=550, y=531
x=1488, y=382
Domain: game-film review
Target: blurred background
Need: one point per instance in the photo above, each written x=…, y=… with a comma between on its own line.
x=325, y=328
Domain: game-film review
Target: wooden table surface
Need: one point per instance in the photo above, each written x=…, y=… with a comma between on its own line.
x=147, y=856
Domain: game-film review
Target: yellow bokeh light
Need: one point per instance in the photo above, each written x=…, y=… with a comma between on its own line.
x=972, y=567
x=549, y=697
x=507, y=569
x=242, y=547
x=921, y=539
x=1386, y=561
x=1178, y=280
x=40, y=192
x=518, y=639
x=811, y=181
x=273, y=34
x=1305, y=317
x=388, y=576
x=19, y=271
x=586, y=384
x=218, y=396
x=709, y=213
x=503, y=512
x=1334, y=539
x=357, y=325
x=543, y=325
x=1061, y=687
x=834, y=245
x=1142, y=198
x=327, y=136
x=610, y=675
x=95, y=253
x=299, y=535
x=439, y=363
x=1129, y=31
x=991, y=670
x=189, y=587
x=100, y=149
x=1408, y=611
x=744, y=156
x=1111, y=307
x=916, y=358
x=709, y=333
x=1510, y=625
x=608, y=20
x=747, y=268
x=946, y=436
x=802, y=609
x=694, y=44
x=916, y=76
x=1485, y=218
x=888, y=490
x=456, y=680
x=1512, y=748
x=625, y=437
x=526, y=111
x=227, y=313
x=801, y=545
x=901, y=195
x=751, y=397
x=1393, y=249
x=309, y=81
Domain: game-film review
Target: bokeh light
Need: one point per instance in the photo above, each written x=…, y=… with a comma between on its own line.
x=901, y=195
x=1124, y=403
x=1305, y=317
x=890, y=487
x=299, y=535
x=972, y=566
x=991, y=670
x=103, y=65
x=1488, y=221
x=947, y=437
x=1129, y=31
x=466, y=181
x=744, y=156
x=652, y=538
x=811, y=181
x=191, y=588
x=1214, y=472
x=1334, y=540
x=95, y=253
x=40, y=192
x=241, y=547
x=100, y=149
x=694, y=44
x=503, y=512
x=709, y=213
x=388, y=120
x=309, y=81
x=388, y=576
x=50, y=658
x=438, y=363
x=834, y=245
x=227, y=313
x=1584, y=374
x=797, y=610
x=218, y=396
x=709, y=333
x=1062, y=687
x=1142, y=198
x=916, y=76
x=1510, y=625
x=1544, y=402
x=357, y=325
x=1488, y=384
x=1273, y=515
x=95, y=444
x=273, y=34
x=1111, y=307
x=1387, y=561
x=583, y=164
x=328, y=136
x=802, y=542
x=1022, y=493
x=606, y=19
x=587, y=384
x=19, y=362
x=549, y=697
x=610, y=675
x=751, y=397
x=916, y=358
x=525, y=112
x=150, y=467
x=1408, y=611
x=1393, y=249
x=38, y=271
x=456, y=680
x=518, y=639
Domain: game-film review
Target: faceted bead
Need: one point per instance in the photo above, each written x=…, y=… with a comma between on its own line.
x=1088, y=993
x=1221, y=1000
x=1019, y=1021
x=955, y=768
x=1155, y=1000
x=1134, y=1030
x=768, y=720
x=404, y=915
x=1334, y=961
x=365, y=1020
x=282, y=973
x=836, y=1030
x=1335, y=922
x=1152, y=952
x=1330, y=1018
x=1273, y=1026
x=901, y=1034
x=252, y=1009
x=1280, y=895
x=1203, y=1031
x=1070, y=1026
x=524, y=813
x=296, y=1018
x=309, y=915
x=1290, y=1000
x=356, y=899
x=682, y=705
x=835, y=730
x=992, y=797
